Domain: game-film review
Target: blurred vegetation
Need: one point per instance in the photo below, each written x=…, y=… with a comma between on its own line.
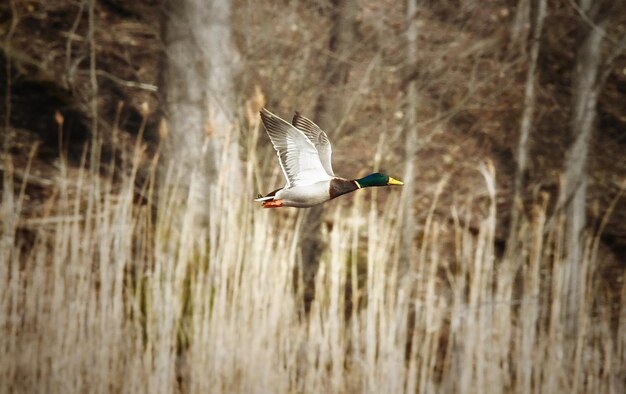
x=474, y=314
x=470, y=76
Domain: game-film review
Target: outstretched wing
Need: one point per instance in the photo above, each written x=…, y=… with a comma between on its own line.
x=318, y=138
x=297, y=156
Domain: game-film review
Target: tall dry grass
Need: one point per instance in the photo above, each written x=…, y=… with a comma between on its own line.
x=112, y=296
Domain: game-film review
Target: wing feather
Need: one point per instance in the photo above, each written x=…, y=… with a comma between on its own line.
x=319, y=139
x=298, y=158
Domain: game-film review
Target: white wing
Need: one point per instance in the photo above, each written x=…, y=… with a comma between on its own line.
x=297, y=156
x=318, y=138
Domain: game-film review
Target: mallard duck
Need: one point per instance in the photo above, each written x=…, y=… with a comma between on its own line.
x=304, y=155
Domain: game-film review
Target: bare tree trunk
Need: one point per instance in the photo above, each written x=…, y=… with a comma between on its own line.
x=528, y=117
x=519, y=30
x=408, y=192
x=199, y=96
x=585, y=89
x=200, y=106
x=330, y=104
x=529, y=99
x=328, y=110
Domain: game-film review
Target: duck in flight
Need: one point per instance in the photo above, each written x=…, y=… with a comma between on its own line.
x=304, y=155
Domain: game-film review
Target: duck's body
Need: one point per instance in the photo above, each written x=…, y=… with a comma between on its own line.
x=304, y=154
x=306, y=196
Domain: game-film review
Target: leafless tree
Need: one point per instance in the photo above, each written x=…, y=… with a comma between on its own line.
x=199, y=95
x=521, y=22
x=528, y=113
x=408, y=193
x=328, y=111
x=587, y=83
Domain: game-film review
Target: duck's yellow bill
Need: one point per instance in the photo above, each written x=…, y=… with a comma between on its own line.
x=393, y=181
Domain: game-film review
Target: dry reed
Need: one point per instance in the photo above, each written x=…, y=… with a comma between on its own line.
x=113, y=297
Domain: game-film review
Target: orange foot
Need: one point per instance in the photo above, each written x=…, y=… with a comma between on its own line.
x=273, y=204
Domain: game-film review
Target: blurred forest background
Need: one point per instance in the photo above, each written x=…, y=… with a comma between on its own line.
x=131, y=139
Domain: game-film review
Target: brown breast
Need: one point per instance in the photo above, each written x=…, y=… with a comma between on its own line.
x=339, y=186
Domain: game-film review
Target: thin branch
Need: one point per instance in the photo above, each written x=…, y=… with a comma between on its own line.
x=24, y=176
x=92, y=65
x=595, y=25
x=68, y=45
x=619, y=49
x=7, y=98
x=94, y=86
x=357, y=93
x=131, y=84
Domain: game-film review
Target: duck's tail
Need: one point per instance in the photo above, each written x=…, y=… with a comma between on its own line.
x=261, y=198
x=270, y=196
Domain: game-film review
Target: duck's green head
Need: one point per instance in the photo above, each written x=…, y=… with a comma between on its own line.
x=377, y=179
